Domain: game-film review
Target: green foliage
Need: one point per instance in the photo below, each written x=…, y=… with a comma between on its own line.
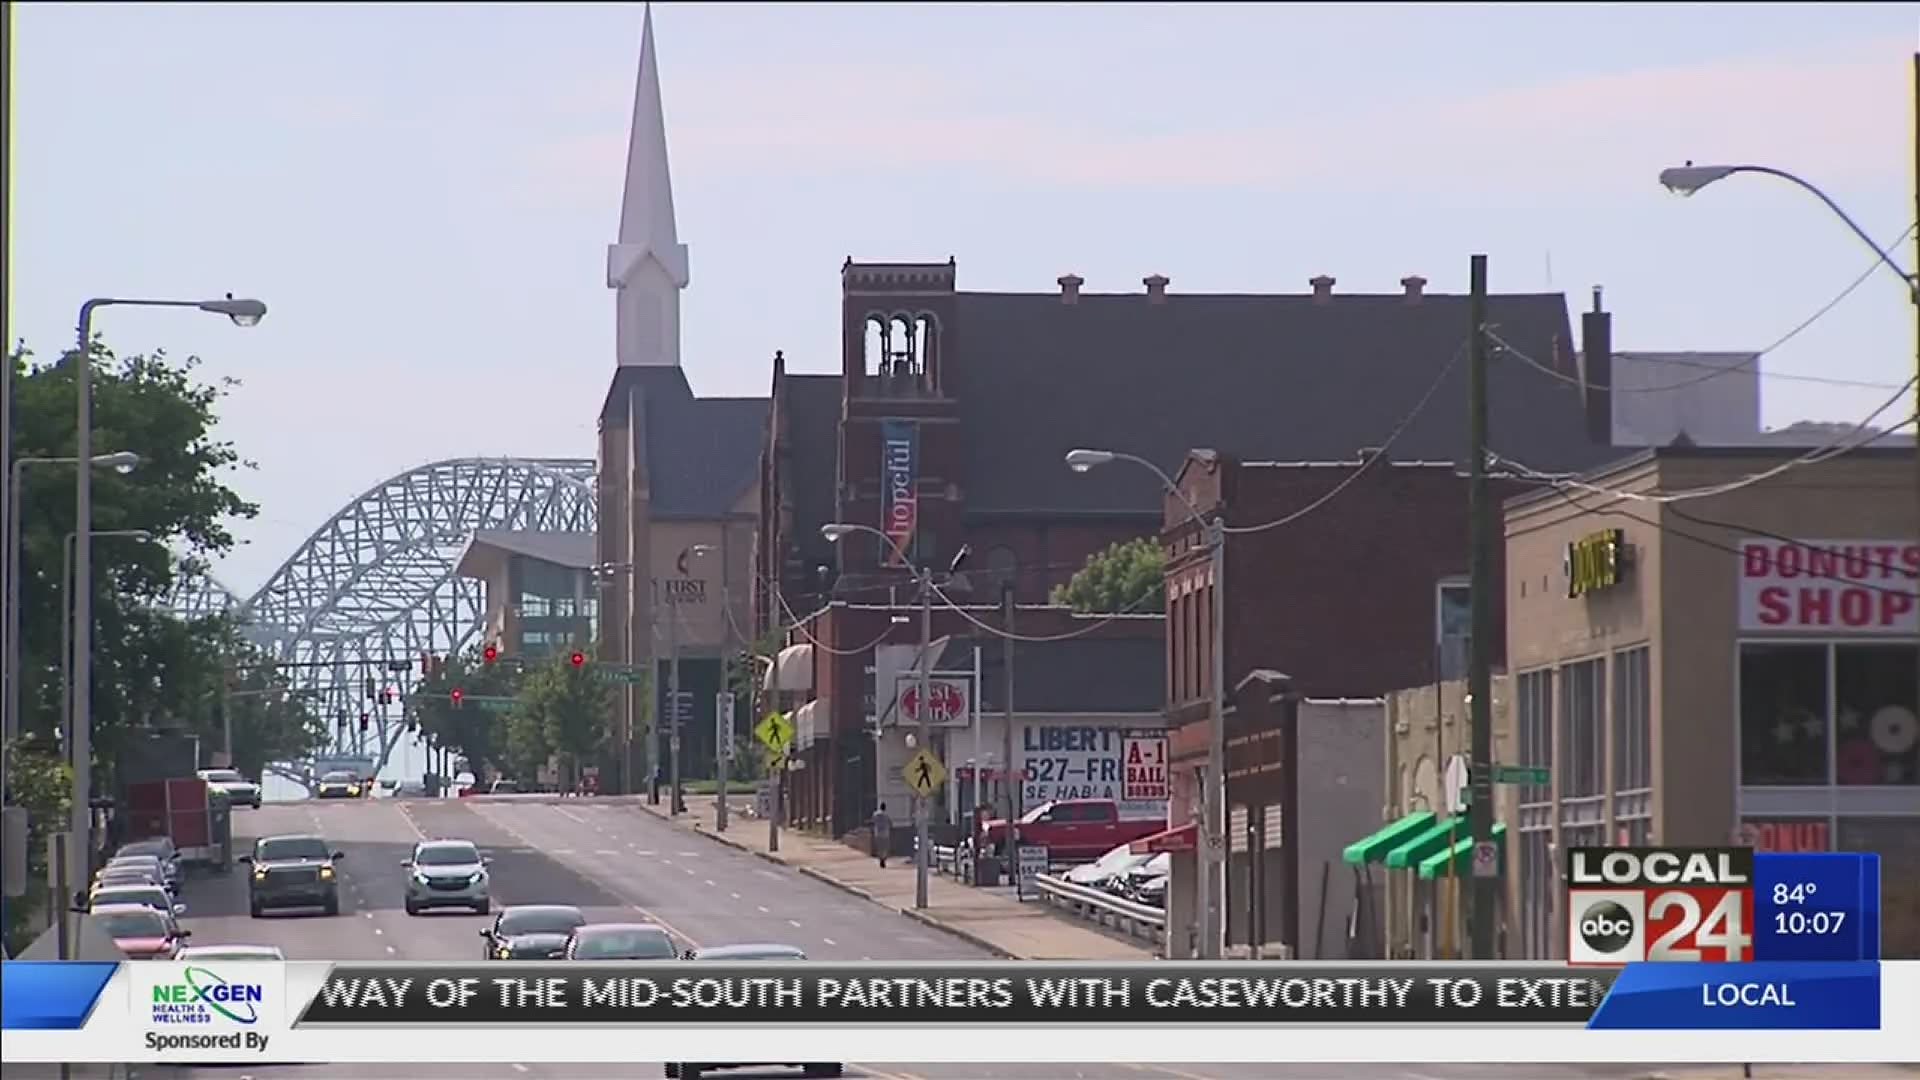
x=471, y=732
x=1124, y=577
x=746, y=674
x=271, y=722
x=150, y=669
x=563, y=710
x=39, y=781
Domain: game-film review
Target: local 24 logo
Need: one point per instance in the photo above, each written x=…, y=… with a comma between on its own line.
x=1627, y=905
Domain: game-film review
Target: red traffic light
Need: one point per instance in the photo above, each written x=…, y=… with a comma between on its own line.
x=363, y=721
x=490, y=653
x=455, y=697
x=579, y=659
x=386, y=696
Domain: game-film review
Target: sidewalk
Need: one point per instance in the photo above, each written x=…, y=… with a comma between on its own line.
x=1784, y=1072
x=997, y=923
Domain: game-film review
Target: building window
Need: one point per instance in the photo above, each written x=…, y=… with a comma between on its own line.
x=1897, y=839
x=1783, y=715
x=1632, y=721
x=1538, y=878
x=1583, y=747
x=1453, y=629
x=1877, y=738
x=1535, y=710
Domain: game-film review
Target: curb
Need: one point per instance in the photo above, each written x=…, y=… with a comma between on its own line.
x=967, y=936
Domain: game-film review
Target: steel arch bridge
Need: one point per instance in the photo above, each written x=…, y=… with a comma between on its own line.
x=377, y=580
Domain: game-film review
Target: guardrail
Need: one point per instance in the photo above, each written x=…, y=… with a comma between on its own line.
x=1106, y=909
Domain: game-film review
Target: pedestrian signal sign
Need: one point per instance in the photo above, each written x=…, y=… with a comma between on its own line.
x=924, y=773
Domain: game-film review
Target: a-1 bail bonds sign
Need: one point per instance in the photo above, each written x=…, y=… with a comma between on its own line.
x=1078, y=761
x=1143, y=760
x=1830, y=586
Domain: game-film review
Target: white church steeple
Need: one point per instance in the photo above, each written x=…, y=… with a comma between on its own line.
x=647, y=266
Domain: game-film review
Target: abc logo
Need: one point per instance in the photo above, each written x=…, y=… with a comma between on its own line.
x=1606, y=927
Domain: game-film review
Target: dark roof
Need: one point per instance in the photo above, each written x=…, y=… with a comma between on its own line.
x=1075, y=675
x=1256, y=377
x=811, y=404
x=702, y=453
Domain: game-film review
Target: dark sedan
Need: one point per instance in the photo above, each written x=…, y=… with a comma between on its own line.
x=621, y=941
x=532, y=932
x=756, y=954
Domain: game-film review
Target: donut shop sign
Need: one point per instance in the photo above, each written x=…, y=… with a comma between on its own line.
x=1830, y=586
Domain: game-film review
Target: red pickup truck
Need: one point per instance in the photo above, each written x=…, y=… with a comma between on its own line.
x=1073, y=829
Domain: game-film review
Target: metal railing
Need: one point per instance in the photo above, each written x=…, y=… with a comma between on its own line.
x=1110, y=911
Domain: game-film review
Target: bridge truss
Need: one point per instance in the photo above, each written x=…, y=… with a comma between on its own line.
x=377, y=582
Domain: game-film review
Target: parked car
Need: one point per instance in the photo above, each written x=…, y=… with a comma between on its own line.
x=147, y=895
x=685, y=1070
x=338, y=785
x=447, y=873
x=531, y=932
x=141, y=932
x=1115, y=863
x=621, y=941
x=232, y=953
x=1072, y=829
x=505, y=787
x=239, y=790
x=292, y=871
x=161, y=849
x=1130, y=884
x=133, y=872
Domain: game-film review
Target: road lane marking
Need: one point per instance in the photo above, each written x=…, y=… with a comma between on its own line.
x=520, y=1067
x=377, y=930
x=1169, y=1070
x=689, y=870
x=764, y=911
x=688, y=854
x=392, y=949
x=829, y=941
x=710, y=884
x=795, y=923
x=736, y=896
x=638, y=851
x=561, y=851
x=604, y=851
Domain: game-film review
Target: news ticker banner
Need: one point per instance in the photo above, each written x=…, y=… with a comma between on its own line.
x=171, y=1012
x=1627, y=905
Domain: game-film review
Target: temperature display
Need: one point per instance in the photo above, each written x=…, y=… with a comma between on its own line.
x=1814, y=907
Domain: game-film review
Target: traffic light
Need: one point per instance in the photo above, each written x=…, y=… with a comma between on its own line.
x=413, y=724
x=490, y=653
x=386, y=696
x=456, y=697
x=373, y=692
x=579, y=659
x=363, y=721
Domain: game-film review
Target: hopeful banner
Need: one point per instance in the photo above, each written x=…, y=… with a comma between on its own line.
x=899, y=482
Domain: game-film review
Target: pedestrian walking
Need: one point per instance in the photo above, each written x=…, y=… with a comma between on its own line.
x=882, y=828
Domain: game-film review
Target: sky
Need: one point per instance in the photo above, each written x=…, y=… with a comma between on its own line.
x=423, y=194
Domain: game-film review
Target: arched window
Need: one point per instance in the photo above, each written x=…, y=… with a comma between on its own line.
x=874, y=346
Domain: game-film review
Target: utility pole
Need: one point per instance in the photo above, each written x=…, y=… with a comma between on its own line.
x=778, y=698
x=1482, y=538
x=723, y=706
x=922, y=843
x=1015, y=777
x=1913, y=283
x=1214, y=805
x=675, y=804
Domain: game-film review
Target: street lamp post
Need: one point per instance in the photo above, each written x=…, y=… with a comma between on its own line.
x=66, y=607
x=923, y=579
x=1213, y=832
x=243, y=313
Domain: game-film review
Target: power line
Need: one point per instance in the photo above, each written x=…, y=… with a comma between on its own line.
x=1717, y=371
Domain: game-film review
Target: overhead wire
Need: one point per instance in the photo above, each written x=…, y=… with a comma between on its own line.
x=1717, y=371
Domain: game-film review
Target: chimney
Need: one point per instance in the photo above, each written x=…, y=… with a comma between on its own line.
x=1322, y=289
x=1596, y=371
x=1415, y=285
x=1070, y=288
x=1156, y=288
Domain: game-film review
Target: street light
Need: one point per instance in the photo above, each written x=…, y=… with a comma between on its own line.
x=1214, y=785
x=123, y=463
x=723, y=701
x=66, y=608
x=834, y=533
x=243, y=313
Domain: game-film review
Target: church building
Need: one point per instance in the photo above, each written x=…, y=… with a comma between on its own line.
x=678, y=482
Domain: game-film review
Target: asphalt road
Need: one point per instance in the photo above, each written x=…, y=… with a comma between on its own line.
x=621, y=864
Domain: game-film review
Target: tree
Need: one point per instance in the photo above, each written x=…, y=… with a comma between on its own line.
x=150, y=669
x=1124, y=577
x=38, y=780
x=271, y=721
x=473, y=733
x=564, y=709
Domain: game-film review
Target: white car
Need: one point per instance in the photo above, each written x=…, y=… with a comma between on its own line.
x=1114, y=864
x=447, y=873
x=239, y=790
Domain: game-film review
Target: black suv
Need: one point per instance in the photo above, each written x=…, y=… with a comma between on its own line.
x=292, y=871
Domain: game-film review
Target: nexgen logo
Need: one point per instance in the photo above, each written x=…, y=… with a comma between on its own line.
x=238, y=1002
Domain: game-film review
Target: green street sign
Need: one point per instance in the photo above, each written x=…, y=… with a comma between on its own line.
x=489, y=703
x=1521, y=774
x=624, y=676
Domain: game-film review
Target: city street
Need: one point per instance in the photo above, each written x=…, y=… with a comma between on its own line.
x=620, y=863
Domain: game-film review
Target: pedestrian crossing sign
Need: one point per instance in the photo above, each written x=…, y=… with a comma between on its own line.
x=775, y=733
x=924, y=773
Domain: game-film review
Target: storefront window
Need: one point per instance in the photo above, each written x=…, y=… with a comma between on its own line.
x=1878, y=735
x=1783, y=709
x=1897, y=840
x=1536, y=729
x=1632, y=721
x=1583, y=748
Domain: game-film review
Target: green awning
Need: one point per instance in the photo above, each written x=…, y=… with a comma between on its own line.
x=1374, y=848
x=1435, y=865
x=1435, y=836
